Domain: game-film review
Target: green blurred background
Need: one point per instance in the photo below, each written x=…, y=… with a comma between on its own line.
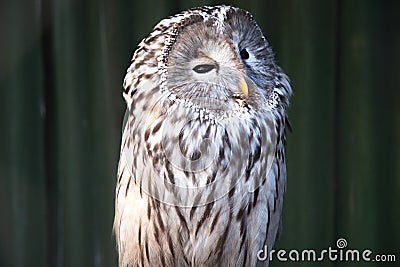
x=61, y=70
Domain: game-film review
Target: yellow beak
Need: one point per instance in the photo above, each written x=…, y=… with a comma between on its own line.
x=243, y=87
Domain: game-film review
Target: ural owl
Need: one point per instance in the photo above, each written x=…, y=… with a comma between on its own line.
x=202, y=169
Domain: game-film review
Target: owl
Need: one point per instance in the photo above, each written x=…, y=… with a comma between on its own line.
x=202, y=171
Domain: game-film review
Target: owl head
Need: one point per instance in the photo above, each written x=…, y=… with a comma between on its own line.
x=213, y=58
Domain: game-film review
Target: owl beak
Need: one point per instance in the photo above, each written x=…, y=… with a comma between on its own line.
x=243, y=87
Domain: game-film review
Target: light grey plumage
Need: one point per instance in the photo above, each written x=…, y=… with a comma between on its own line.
x=202, y=170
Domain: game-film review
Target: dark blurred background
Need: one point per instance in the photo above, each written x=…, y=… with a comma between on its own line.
x=61, y=70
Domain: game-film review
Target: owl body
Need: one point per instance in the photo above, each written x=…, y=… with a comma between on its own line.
x=202, y=171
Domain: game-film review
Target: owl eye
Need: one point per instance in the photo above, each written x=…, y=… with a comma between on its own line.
x=244, y=54
x=203, y=68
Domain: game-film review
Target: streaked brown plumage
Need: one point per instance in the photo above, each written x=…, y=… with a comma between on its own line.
x=202, y=170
